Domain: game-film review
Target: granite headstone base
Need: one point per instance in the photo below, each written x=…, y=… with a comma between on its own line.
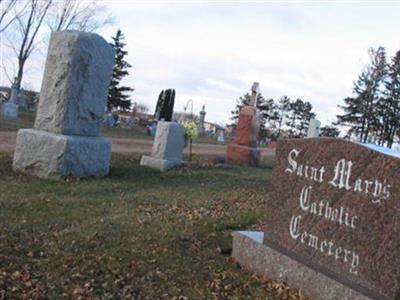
x=55, y=156
x=251, y=253
x=159, y=164
x=9, y=110
x=243, y=155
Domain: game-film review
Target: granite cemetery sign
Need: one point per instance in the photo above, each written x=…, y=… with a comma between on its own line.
x=335, y=208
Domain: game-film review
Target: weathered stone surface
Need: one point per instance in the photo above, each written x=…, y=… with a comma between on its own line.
x=167, y=147
x=244, y=150
x=251, y=253
x=75, y=83
x=248, y=127
x=335, y=207
x=169, y=141
x=54, y=156
x=65, y=141
x=9, y=110
x=243, y=155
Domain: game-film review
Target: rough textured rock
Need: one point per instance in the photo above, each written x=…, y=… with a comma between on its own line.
x=75, y=84
x=335, y=205
x=248, y=127
x=65, y=141
x=243, y=155
x=54, y=156
x=249, y=250
x=167, y=147
x=169, y=141
x=244, y=150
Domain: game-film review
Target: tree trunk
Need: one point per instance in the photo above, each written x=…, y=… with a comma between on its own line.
x=20, y=73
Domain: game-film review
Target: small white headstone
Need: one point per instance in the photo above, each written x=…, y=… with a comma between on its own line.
x=313, y=128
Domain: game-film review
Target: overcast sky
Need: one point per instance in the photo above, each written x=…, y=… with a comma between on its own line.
x=212, y=51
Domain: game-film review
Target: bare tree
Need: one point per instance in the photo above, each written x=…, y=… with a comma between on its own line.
x=141, y=108
x=28, y=16
x=7, y=13
x=27, y=27
x=83, y=15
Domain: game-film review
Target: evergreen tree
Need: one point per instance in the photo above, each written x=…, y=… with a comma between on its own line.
x=304, y=116
x=292, y=117
x=243, y=101
x=281, y=112
x=392, y=85
x=298, y=118
x=361, y=113
x=329, y=131
x=117, y=94
x=264, y=106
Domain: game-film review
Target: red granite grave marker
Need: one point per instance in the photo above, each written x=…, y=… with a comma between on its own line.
x=244, y=150
x=335, y=207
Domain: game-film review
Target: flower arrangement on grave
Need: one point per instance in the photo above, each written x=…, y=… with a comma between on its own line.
x=191, y=133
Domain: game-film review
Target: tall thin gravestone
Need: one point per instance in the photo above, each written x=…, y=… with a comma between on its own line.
x=244, y=149
x=65, y=140
x=201, y=120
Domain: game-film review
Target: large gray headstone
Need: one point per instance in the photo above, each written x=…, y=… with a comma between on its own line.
x=75, y=84
x=66, y=139
x=167, y=147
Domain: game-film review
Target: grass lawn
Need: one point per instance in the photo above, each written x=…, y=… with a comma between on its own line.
x=137, y=234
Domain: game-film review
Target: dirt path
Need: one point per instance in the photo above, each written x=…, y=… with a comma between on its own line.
x=129, y=145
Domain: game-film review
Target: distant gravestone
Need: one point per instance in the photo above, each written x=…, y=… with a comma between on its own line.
x=313, y=128
x=9, y=109
x=333, y=225
x=244, y=149
x=202, y=117
x=66, y=137
x=14, y=93
x=168, y=145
